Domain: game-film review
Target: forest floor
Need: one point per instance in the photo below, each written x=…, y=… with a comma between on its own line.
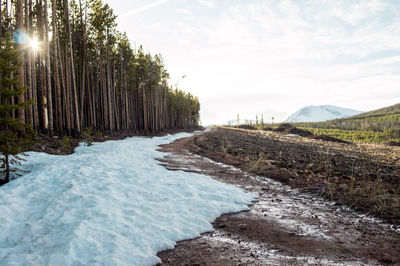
x=65, y=145
x=305, y=189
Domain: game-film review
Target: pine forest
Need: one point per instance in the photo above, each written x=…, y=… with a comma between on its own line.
x=80, y=72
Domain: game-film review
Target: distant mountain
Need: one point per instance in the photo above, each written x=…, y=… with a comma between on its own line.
x=379, y=126
x=321, y=113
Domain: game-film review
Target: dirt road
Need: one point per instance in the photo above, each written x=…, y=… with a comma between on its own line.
x=283, y=227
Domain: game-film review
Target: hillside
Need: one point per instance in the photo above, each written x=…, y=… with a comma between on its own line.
x=393, y=109
x=321, y=113
x=381, y=125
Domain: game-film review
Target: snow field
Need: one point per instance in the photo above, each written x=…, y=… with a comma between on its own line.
x=108, y=204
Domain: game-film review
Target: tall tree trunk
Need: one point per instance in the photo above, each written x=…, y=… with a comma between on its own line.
x=35, y=105
x=42, y=88
x=66, y=77
x=48, y=68
x=104, y=92
x=59, y=120
x=28, y=23
x=94, y=99
x=21, y=68
x=8, y=14
x=35, y=94
x=108, y=86
x=145, y=115
x=67, y=91
x=1, y=36
x=73, y=79
x=8, y=28
x=1, y=20
x=85, y=75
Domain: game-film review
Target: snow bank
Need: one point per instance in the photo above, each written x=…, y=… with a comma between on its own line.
x=108, y=204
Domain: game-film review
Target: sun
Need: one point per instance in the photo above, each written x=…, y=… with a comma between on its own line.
x=34, y=44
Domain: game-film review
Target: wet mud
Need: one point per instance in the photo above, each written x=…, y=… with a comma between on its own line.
x=285, y=226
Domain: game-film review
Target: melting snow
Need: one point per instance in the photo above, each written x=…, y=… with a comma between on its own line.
x=109, y=204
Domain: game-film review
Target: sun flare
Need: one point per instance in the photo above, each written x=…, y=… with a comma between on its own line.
x=34, y=44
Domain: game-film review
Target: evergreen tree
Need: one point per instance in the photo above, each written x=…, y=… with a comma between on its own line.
x=15, y=136
x=87, y=74
x=262, y=121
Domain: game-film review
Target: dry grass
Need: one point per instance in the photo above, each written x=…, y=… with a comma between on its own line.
x=366, y=177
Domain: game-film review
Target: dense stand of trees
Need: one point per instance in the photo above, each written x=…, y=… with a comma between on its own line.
x=81, y=72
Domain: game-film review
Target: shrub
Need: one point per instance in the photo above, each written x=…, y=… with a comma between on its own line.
x=65, y=143
x=87, y=136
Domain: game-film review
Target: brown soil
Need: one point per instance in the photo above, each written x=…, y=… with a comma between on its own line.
x=249, y=127
x=394, y=143
x=363, y=176
x=287, y=128
x=285, y=226
x=290, y=129
x=329, y=138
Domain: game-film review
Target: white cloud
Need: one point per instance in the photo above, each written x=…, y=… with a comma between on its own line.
x=207, y=3
x=143, y=8
x=182, y=11
x=281, y=55
x=354, y=14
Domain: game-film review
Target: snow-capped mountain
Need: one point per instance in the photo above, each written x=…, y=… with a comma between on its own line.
x=321, y=113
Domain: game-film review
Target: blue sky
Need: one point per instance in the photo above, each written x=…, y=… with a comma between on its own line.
x=272, y=57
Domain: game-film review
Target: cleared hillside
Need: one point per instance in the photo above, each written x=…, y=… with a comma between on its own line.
x=382, y=125
x=394, y=109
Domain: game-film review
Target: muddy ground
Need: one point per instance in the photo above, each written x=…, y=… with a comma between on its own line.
x=290, y=224
x=364, y=177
